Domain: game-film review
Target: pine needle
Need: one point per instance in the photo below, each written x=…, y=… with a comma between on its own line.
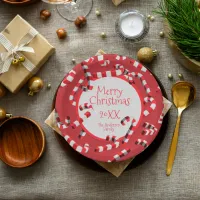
x=183, y=17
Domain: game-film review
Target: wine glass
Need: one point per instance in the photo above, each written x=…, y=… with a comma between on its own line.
x=71, y=9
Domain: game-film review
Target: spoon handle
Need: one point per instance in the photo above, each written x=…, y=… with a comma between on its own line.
x=172, y=151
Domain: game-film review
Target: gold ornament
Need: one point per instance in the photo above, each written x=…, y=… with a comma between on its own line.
x=103, y=35
x=162, y=34
x=49, y=86
x=152, y=18
x=21, y=59
x=15, y=61
x=2, y=91
x=146, y=55
x=98, y=13
x=73, y=60
x=180, y=76
x=35, y=84
x=4, y=115
x=170, y=76
x=149, y=16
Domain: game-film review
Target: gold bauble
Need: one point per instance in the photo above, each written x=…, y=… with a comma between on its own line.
x=2, y=114
x=15, y=61
x=2, y=91
x=21, y=59
x=35, y=84
x=146, y=55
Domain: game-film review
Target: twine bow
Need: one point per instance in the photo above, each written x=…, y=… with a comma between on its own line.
x=13, y=51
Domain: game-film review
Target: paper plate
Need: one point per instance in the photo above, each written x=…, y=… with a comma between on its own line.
x=109, y=108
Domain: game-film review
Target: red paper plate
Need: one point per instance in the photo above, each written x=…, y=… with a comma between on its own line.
x=109, y=108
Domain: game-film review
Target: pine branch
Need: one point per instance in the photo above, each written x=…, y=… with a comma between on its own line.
x=183, y=17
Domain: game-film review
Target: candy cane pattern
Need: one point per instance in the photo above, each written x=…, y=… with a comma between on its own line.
x=129, y=132
x=100, y=57
x=86, y=147
x=120, y=57
x=88, y=77
x=111, y=138
x=161, y=118
x=104, y=63
x=149, y=129
x=112, y=73
x=69, y=78
x=123, y=153
x=152, y=107
x=60, y=125
x=82, y=134
x=148, y=132
x=77, y=147
x=125, y=120
x=67, y=120
x=119, y=66
x=74, y=91
x=89, y=60
x=139, y=66
x=107, y=147
x=78, y=122
x=143, y=81
x=85, y=106
x=142, y=143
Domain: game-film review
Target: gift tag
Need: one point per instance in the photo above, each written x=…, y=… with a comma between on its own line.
x=109, y=108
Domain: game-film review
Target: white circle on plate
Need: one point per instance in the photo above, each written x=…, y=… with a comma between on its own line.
x=112, y=99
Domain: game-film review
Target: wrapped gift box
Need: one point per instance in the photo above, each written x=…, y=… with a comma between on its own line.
x=18, y=75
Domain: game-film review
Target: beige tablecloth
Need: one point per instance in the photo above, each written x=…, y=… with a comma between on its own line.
x=56, y=176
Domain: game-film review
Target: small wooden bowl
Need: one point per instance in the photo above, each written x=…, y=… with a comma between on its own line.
x=22, y=142
x=185, y=61
x=20, y=3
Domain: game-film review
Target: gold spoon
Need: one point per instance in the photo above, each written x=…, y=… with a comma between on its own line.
x=183, y=94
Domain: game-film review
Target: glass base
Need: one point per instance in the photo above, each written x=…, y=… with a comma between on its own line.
x=70, y=11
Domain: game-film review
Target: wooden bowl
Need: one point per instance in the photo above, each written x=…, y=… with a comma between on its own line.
x=22, y=142
x=185, y=61
x=20, y=3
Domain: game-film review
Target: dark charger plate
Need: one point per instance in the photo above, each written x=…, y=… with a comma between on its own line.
x=141, y=158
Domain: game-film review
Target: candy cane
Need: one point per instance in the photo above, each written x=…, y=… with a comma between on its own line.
x=85, y=106
x=89, y=60
x=73, y=144
x=68, y=79
x=107, y=147
x=120, y=57
x=148, y=125
x=161, y=118
x=100, y=57
x=130, y=132
x=112, y=73
x=78, y=122
x=141, y=142
x=139, y=66
x=67, y=120
x=88, y=77
x=104, y=63
x=125, y=120
x=86, y=147
x=151, y=107
x=82, y=134
x=119, y=66
x=74, y=91
x=111, y=138
x=143, y=81
x=123, y=153
x=60, y=125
